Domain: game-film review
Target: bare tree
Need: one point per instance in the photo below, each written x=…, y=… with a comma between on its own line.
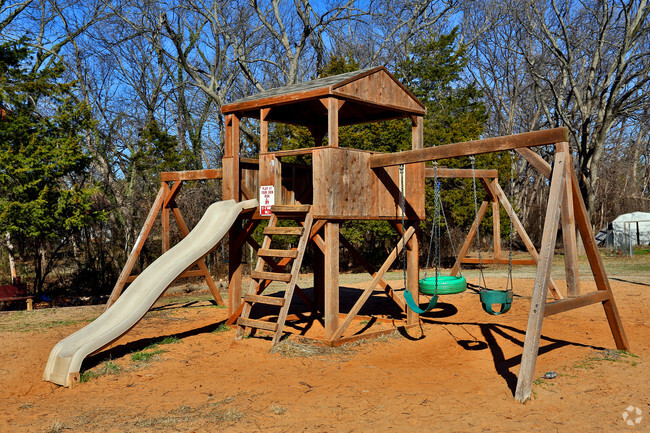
x=593, y=58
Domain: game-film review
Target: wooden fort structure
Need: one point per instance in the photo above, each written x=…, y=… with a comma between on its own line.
x=341, y=184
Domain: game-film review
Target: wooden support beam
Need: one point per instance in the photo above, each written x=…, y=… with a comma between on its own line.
x=542, y=280
x=164, y=219
x=137, y=247
x=333, y=122
x=461, y=173
x=488, y=145
x=536, y=161
x=331, y=275
x=203, y=268
x=597, y=266
x=234, y=270
x=264, y=130
x=569, y=232
x=499, y=261
x=519, y=227
x=172, y=176
x=563, y=305
x=371, y=286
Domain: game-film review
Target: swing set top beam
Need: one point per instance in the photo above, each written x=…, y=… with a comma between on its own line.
x=476, y=147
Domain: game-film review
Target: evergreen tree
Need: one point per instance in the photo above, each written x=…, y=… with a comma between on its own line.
x=46, y=193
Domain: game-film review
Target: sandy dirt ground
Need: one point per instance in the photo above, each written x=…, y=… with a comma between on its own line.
x=455, y=374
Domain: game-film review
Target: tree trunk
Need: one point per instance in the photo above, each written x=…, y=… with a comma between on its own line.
x=12, y=261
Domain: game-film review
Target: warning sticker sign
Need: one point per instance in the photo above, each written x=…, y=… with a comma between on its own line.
x=267, y=199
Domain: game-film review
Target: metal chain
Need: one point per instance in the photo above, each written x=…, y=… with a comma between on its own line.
x=402, y=205
x=433, y=224
x=509, y=285
x=451, y=242
x=478, y=232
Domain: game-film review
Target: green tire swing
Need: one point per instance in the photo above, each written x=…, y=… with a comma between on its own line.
x=446, y=285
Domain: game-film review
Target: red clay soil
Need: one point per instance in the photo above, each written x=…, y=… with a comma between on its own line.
x=458, y=376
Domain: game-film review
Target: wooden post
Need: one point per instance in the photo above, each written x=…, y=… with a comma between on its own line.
x=264, y=130
x=331, y=273
x=597, y=266
x=569, y=231
x=319, y=277
x=542, y=280
x=164, y=218
x=230, y=161
x=412, y=276
x=231, y=190
x=333, y=122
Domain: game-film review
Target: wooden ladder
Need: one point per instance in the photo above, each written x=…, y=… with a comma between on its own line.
x=266, y=255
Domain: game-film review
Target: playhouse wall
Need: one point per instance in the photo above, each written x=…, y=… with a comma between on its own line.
x=346, y=188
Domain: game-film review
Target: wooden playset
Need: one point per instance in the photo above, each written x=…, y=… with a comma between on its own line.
x=341, y=184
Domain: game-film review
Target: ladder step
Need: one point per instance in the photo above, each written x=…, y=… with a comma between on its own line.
x=262, y=252
x=259, y=324
x=294, y=231
x=274, y=276
x=291, y=209
x=267, y=300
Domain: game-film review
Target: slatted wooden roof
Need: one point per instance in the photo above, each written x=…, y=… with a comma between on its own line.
x=368, y=95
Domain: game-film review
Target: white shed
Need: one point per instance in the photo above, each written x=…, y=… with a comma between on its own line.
x=631, y=229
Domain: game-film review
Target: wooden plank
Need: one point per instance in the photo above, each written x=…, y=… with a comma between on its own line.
x=137, y=247
x=499, y=261
x=277, y=253
x=164, y=220
x=596, y=263
x=332, y=122
x=171, y=176
x=370, y=335
x=536, y=161
x=371, y=286
x=542, y=280
x=568, y=304
x=569, y=233
x=194, y=273
x=235, y=270
x=289, y=231
x=461, y=173
x=296, y=152
x=275, y=100
x=291, y=209
x=259, y=324
x=273, y=276
x=266, y=300
x=331, y=276
x=488, y=145
x=264, y=130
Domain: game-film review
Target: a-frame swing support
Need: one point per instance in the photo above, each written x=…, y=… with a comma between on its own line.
x=565, y=205
x=170, y=186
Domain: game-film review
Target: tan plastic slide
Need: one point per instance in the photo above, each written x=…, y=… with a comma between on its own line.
x=66, y=357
